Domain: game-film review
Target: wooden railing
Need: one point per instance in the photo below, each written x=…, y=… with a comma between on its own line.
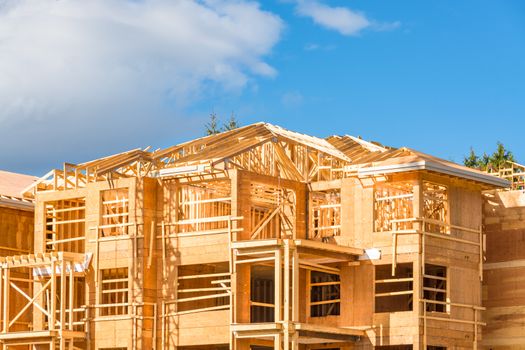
x=449, y=235
x=475, y=322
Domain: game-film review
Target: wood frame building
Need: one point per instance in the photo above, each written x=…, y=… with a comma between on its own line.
x=258, y=237
x=16, y=235
x=504, y=229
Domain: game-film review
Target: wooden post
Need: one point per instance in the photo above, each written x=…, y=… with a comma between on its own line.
x=475, y=328
x=480, y=253
x=422, y=283
x=419, y=263
x=163, y=325
x=155, y=326
x=1, y=295
x=96, y=272
x=134, y=326
x=286, y=294
x=277, y=276
x=231, y=264
x=6, y=300
x=63, y=299
x=151, y=242
x=394, y=251
x=295, y=341
x=295, y=286
x=307, y=293
x=52, y=302
x=71, y=296
x=164, y=251
x=424, y=324
x=135, y=250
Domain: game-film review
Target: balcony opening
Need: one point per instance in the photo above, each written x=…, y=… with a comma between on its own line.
x=325, y=294
x=394, y=294
x=262, y=294
x=435, y=288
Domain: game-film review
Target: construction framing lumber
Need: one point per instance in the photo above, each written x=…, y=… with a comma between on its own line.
x=255, y=237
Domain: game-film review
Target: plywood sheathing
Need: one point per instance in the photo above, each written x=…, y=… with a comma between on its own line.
x=203, y=218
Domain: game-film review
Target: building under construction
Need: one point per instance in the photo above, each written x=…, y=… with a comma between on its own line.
x=504, y=271
x=256, y=238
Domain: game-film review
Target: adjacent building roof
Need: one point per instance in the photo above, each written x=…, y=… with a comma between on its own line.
x=11, y=187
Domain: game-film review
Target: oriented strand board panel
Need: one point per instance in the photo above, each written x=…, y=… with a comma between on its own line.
x=16, y=231
x=504, y=275
x=202, y=328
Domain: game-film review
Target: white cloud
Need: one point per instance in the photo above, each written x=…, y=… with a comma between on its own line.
x=108, y=74
x=341, y=19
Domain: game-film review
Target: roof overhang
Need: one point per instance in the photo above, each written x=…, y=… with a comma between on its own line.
x=436, y=167
x=18, y=204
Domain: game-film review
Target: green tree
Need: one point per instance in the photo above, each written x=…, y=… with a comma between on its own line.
x=472, y=160
x=493, y=162
x=484, y=161
x=212, y=127
x=231, y=124
x=500, y=157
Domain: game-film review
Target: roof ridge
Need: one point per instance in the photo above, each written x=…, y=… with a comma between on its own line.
x=369, y=145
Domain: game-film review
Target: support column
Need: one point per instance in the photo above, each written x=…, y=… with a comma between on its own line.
x=419, y=265
x=71, y=296
x=295, y=285
x=286, y=294
x=63, y=300
x=52, y=301
x=6, y=300
x=1, y=294
x=277, y=291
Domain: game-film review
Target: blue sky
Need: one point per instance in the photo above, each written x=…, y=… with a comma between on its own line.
x=436, y=76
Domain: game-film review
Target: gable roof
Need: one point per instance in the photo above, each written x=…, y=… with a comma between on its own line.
x=371, y=158
x=230, y=143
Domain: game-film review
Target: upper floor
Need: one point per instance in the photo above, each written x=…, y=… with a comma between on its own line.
x=280, y=184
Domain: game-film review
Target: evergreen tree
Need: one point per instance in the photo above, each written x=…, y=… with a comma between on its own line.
x=500, y=157
x=472, y=161
x=212, y=127
x=484, y=161
x=231, y=124
x=493, y=162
